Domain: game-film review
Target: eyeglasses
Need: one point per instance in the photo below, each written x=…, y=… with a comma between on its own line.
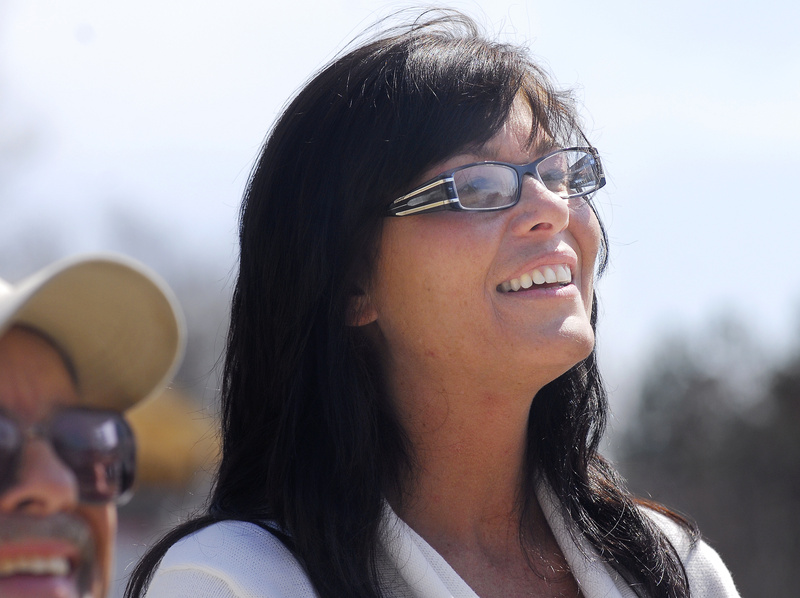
x=96, y=444
x=486, y=186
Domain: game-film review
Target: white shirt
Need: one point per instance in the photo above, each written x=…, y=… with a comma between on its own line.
x=233, y=559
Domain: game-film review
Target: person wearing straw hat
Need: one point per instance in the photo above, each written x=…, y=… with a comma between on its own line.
x=81, y=341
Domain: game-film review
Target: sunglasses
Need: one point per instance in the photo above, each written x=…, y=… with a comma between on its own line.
x=486, y=186
x=96, y=444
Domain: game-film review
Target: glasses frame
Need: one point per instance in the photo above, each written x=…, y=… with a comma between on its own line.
x=125, y=450
x=405, y=206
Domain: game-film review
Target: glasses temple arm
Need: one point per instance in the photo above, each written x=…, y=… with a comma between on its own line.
x=437, y=195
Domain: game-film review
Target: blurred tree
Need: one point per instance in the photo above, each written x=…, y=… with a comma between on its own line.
x=717, y=436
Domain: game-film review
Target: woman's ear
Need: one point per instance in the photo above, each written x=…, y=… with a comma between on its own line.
x=360, y=310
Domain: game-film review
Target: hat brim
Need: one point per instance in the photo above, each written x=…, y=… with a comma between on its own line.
x=116, y=320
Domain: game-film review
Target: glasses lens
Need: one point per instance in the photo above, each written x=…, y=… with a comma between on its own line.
x=98, y=446
x=486, y=186
x=570, y=173
x=10, y=443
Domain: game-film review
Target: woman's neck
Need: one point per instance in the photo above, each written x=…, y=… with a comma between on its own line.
x=469, y=451
x=464, y=498
x=465, y=503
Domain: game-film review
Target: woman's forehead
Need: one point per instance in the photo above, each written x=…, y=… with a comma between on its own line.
x=518, y=132
x=517, y=141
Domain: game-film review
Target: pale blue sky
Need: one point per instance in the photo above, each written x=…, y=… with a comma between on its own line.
x=159, y=107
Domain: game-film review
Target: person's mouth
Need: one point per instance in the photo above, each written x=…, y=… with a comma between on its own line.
x=540, y=277
x=34, y=573
x=50, y=556
x=42, y=566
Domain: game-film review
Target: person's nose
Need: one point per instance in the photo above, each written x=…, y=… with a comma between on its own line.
x=539, y=210
x=44, y=484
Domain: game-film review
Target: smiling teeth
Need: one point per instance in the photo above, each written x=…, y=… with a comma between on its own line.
x=538, y=276
x=35, y=566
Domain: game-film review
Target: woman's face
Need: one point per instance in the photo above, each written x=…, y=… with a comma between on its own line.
x=439, y=294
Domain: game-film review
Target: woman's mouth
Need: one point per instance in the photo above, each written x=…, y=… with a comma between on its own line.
x=544, y=276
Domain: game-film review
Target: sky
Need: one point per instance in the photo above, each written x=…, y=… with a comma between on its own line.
x=152, y=112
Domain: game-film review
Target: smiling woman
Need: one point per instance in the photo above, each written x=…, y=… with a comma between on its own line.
x=411, y=403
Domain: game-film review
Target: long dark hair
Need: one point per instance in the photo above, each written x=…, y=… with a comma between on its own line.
x=310, y=439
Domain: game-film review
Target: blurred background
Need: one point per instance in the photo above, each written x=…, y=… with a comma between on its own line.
x=133, y=127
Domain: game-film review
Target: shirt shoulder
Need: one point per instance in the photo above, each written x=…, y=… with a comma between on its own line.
x=230, y=559
x=708, y=576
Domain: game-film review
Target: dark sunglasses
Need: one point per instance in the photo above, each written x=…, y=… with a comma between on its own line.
x=486, y=186
x=96, y=444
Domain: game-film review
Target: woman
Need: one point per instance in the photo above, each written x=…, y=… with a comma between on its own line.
x=411, y=403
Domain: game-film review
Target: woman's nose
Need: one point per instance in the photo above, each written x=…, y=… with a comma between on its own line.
x=44, y=484
x=539, y=209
